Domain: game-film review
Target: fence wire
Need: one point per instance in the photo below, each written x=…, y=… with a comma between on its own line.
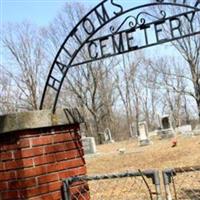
x=179, y=184
x=128, y=186
x=182, y=183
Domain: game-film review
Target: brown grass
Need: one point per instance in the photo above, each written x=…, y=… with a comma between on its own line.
x=159, y=155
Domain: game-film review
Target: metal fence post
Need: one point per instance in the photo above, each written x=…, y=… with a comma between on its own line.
x=157, y=184
x=154, y=175
x=167, y=179
x=66, y=184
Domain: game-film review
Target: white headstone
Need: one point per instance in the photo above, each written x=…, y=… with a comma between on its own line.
x=197, y=130
x=89, y=145
x=131, y=130
x=108, y=136
x=143, y=133
x=185, y=130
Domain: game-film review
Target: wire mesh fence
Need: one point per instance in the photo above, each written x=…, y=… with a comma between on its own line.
x=182, y=183
x=128, y=186
x=179, y=184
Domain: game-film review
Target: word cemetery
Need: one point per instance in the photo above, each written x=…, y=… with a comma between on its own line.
x=123, y=41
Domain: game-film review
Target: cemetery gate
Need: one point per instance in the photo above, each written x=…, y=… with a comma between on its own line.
x=122, y=26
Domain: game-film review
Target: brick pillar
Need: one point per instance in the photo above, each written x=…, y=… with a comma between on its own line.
x=37, y=151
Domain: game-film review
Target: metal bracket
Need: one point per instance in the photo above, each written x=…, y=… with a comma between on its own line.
x=167, y=176
x=66, y=184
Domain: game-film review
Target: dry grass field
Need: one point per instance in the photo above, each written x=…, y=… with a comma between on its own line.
x=158, y=155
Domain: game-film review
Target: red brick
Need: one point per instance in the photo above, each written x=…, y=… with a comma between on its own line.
x=8, y=147
x=43, y=140
x=65, y=165
x=72, y=172
x=31, y=172
x=70, y=164
x=63, y=137
x=24, y=143
x=6, y=156
x=48, y=178
x=11, y=195
x=1, y=166
x=63, y=147
x=54, y=186
x=35, y=181
x=20, y=184
x=44, y=159
x=43, y=189
x=19, y=164
x=52, y=196
x=3, y=186
x=69, y=155
x=5, y=176
x=36, y=151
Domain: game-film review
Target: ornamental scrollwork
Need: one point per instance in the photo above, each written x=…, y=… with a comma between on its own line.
x=142, y=20
x=132, y=22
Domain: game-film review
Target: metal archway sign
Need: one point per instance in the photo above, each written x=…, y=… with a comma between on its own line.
x=120, y=38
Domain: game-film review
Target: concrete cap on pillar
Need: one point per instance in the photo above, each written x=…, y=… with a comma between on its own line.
x=38, y=119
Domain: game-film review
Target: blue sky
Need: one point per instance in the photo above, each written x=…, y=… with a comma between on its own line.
x=43, y=12
x=40, y=12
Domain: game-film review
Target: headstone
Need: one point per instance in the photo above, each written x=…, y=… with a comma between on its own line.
x=185, y=130
x=133, y=131
x=89, y=145
x=108, y=136
x=143, y=134
x=197, y=130
x=158, y=125
x=165, y=122
x=158, y=121
x=166, y=127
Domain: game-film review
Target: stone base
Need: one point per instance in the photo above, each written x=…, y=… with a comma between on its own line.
x=168, y=133
x=109, y=142
x=196, y=132
x=144, y=142
x=188, y=134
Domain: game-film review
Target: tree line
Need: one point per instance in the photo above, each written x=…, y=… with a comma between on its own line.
x=115, y=93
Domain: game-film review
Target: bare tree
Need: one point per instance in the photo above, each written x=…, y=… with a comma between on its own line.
x=151, y=95
x=129, y=88
x=86, y=84
x=188, y=48
x=8, y=96
x=24, y=61
x=175, y=87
